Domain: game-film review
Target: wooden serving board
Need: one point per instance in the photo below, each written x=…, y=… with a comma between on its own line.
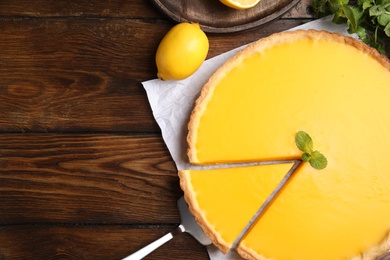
x=213, y=16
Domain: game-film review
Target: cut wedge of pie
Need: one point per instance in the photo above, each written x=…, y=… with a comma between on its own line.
x=334, y=88
x=233, y=192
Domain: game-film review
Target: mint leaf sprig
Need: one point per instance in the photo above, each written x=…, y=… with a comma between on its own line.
x=369, y=19
x=304, y=143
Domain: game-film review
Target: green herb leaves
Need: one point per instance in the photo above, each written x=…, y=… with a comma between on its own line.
x=369, y=19
x=304, y=143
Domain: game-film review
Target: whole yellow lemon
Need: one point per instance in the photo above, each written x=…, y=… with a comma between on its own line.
x=181, y=52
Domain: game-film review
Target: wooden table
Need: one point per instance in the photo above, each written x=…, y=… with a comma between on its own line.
x=85, y=173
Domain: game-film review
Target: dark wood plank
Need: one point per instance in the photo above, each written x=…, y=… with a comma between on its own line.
x=139, y=9
x=220, y=43
x=76, y=8
x=57, y=178
x=84, y=75
x=92, y=242
x=72, y=75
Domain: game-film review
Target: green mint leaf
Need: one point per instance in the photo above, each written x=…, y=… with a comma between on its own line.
x=369, y=19
x=383, y=2
x=353, y=15
x=318, y=161
x=339, y=18
x=334, y=6
x=387, y=30
x=366, y=3
x=384, y=19
x=361, y=2
x=306, y=157
x=321, y=7
x=304, y=142
x=376, y=10
x=361, y=32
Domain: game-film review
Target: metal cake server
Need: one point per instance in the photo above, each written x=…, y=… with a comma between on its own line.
x=188, y=224
x=216, y=254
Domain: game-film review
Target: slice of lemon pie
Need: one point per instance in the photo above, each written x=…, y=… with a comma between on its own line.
x=332, y=87
x=226, y=194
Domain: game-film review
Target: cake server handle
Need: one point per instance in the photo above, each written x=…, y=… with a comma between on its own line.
x=154, y=245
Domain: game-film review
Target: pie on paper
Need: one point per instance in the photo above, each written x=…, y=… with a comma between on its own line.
x=337, y=90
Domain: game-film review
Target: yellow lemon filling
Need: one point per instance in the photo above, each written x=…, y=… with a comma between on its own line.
x=236, y=193
x=314, y=217
x=309, y=85
x=338, y=91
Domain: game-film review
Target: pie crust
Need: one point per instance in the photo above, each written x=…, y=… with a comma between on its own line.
x=198, y=151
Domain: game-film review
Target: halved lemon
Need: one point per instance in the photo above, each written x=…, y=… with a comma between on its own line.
x=240, y=4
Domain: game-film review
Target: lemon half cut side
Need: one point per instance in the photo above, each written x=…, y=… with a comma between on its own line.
x=240, y=4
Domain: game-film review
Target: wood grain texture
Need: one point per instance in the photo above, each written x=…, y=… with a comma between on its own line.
x=70, y=75
x=54, y=178
x=93, y=242
x=84, y=75
x=213, y=16
x=84, y=172
x=74, y=8
x=91, y=8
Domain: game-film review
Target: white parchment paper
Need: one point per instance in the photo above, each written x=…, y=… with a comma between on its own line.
x=173, y=101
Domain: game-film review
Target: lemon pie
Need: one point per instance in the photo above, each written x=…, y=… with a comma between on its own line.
x=334, y=88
